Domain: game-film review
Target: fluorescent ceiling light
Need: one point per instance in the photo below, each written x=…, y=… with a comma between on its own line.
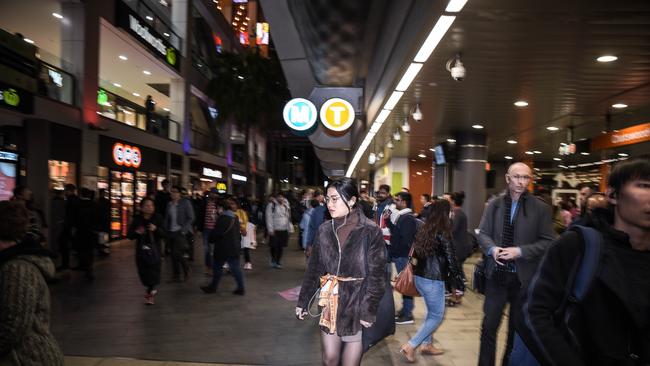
x=557, y=159
x=508, y=157
x=375, y=127
x=521, y=103
x=57, y=15
x=455, y=6
x=623, y=154
x=478, y=127
x=392, y=101
x=432, y=149
x=529, y=153
x=117, y=85
x=619, y=105
x=136, y=94
x=146, y=72
x=408, y=77
x=28, y=41
x=512, y=142
x=382, y=116
x=165, y=34
x=607, y=58
x=422, y=155
x=434, y=37
x=122, y=57
x=552, y=128
x=149, y=17
x=537, y=152
x=584, y=153
x=451, y=140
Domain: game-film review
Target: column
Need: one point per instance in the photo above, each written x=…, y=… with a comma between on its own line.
x=469, y=174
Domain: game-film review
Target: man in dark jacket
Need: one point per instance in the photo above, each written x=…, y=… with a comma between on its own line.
x=85, y=239
x=315, y=221
x=162, y=198
x=515, y=232
x=178, y=223
x=611, y=325
x=403, y=227
x=69, y=224
x=226, y=237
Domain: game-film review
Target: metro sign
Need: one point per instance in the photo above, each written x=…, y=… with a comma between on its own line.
x=126, y=155
x=337, y=114
x=299, y=114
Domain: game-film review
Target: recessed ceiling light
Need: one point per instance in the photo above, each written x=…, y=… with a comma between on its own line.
x=166, y=34
x=508, y=157
x=422, y=155
x=552, y=128
x=28, y=41
x=536, y=169
x=584, y=153
x=418, y=173
x=557, y=159
x=136, y=94
x=521, y=103
x=146, y=72
x=149, y=17
x=619, y=105
x=511, y=142
x=451, y=140
x=478, y=127
x=529, y=153
x=607, y=58
x=432, y=149
x=122, y=57
x=623, y=154
x=537, y=152
x=57, y=15
x=117, y=85
x=166, y=109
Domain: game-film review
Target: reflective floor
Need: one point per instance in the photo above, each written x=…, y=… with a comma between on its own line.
x=106, y=323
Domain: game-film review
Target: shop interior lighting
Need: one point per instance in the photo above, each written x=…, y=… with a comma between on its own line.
x=392, y=101
x=57, y=15
x=122, y=57
x=451, y=140
x=405, y=126
x=165, y=34
x=521, y=103
x=422, y=155
x=512, y=142
x=397, y=136
x=118, y=85
x=435, y=36
x=607, y=58
x=478, y=127
x=28, y=41
x=529, y=153
x=552, y=128
x=146, y=72
x=408, y=76
x=537, y=152
x=508, y=157
x=619, y=105
x=136, y=94
x=417, y=113
x=295, y=157
x=432, y=149
x=455, y=6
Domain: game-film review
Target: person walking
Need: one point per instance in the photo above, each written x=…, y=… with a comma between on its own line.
x=434, y=265
x=25, y=268
x=69, y=225
x=278, y=226
x=85, y=238
x=243, y=230
x=515, y=231
x=305, y=223
x=147, y=230
x=403, y=227
x=610, y=324
x=317, y=218
x=226, y=237
x=178, y=222
x=425, y=200
x=209, y=220
x=348, y=263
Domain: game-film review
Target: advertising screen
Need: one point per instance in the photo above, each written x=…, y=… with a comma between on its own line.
x=440, y=155
x=7, y=180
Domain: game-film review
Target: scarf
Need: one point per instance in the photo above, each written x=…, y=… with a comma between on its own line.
x=395, y=215
x=329, y=300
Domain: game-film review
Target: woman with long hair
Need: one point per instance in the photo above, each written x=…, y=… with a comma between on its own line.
x=348, y=263
x=434, y=264
x=147, y=230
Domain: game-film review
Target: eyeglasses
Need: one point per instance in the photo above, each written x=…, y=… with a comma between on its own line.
x=333, y=199
x=520, y=177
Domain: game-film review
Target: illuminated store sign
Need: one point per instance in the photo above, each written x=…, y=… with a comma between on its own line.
x=8, y=156
x=16, y=98
x=126, y=155
x=300, y=114
x=238, y=177
x=337, y=114
x=212, y=173
x=222, y=188
x=626, y=136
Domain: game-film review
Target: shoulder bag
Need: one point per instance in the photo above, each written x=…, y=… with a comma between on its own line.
x=405, y=282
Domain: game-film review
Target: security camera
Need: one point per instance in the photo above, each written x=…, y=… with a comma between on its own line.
x=456, y=68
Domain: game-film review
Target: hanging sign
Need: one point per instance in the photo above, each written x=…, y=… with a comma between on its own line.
x=626, y=136
x=126, y=155
x=212, y=173
x=300, y=114
x=337, y=114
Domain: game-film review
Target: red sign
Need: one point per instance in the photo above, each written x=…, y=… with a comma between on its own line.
x=626, y=136
x=126, y=155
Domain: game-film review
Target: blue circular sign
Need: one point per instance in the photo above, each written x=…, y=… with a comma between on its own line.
x=300, y=114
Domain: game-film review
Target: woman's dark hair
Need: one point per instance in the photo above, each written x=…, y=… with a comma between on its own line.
x=438, y=222
x=458, y=198
x=346, y=188
x=314, y=203
x=144, y=200
x=427, y=197
x=14, y=220
x=629, y=170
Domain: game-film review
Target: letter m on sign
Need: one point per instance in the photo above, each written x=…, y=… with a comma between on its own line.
x=300, y=114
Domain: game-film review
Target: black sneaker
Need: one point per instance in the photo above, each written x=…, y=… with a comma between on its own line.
x=404, y=319
x=208, y=289
x=398, y=314
x=239, y=291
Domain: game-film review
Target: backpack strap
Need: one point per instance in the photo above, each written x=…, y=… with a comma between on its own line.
x=589, y=264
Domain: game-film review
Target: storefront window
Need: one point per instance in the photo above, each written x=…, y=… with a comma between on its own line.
x=62, y=173
x=56, y=84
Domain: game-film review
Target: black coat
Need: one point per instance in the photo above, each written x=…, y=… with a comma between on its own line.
x=149, y=273
x=358, y=300
x=613, y=320
x=442, y=266
x=226, y=236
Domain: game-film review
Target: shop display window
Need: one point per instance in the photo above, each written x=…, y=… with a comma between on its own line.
x=62, y=173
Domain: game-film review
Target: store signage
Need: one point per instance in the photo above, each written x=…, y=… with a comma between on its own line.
x=300, y=114
x=262, y=34
x=626, y=136
x=139, y=28
x=212, y=173
x=8, y=156
x=222, y=188
x=126, y=155
x=337, y=114
x=238, y=177
x=16, y=98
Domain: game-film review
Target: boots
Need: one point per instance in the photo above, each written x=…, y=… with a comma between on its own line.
x=408, y=352
x=430, y=349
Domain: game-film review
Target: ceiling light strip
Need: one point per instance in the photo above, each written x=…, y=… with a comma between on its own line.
x=392, y=101
x=438, y=31
x=409, y=76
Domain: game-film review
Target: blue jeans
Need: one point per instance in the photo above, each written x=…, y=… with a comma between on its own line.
x=407, y=301
x=233, y=262
x=433, y=293
x=208, y=249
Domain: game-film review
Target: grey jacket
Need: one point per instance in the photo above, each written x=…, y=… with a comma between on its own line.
x=184, y=216
x=533, y=232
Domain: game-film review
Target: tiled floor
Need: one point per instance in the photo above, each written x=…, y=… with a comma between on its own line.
x=107, y=323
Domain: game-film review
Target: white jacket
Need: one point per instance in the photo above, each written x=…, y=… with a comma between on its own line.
x=278, y=216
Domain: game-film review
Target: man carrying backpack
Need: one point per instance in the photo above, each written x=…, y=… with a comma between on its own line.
x=589, y=302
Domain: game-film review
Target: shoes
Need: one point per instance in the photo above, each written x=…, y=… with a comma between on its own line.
x=248, y=266
x=148, y=299
x=239, y=291
x=398, y=314
x=408, y=352
x=226, y=266
x=209, y=289
x=430, y=349
x=278, y=266
x=404, y=319
x=273, y=264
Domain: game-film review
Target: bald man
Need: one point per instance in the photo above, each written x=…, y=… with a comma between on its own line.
x=515, y=232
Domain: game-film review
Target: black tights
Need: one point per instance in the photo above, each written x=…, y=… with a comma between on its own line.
x=335, y=350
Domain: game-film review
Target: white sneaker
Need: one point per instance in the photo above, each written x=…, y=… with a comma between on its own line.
x=226, y=266
x=248, y=266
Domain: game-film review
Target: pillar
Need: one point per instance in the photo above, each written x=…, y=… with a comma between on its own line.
x=469, y=174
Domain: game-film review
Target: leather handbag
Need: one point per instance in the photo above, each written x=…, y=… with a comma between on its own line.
x=405, y=282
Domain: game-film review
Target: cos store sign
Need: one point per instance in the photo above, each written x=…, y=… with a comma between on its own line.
x=127, y=156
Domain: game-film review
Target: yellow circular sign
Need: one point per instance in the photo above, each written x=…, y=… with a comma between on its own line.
x=337, y=114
